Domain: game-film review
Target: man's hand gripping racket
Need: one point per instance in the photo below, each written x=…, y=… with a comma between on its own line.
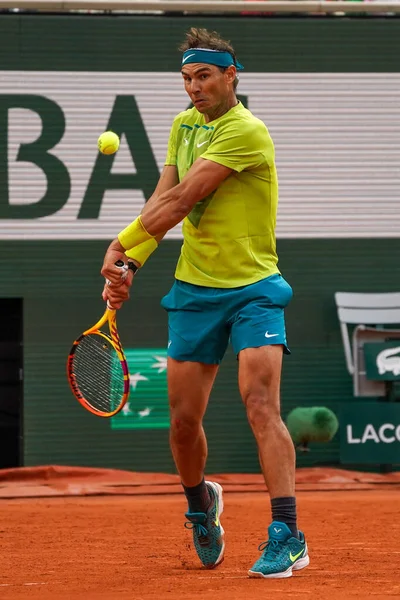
x=97, y=369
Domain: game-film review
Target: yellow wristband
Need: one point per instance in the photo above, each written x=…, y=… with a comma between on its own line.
x=134, y=234
x=142, y=252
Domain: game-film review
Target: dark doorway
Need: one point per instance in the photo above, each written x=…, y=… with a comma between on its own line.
x=11, y=382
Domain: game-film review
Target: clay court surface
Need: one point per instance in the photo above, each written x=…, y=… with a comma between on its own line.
x=136, y=547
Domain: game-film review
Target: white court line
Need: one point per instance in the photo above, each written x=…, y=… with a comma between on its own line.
x=209, y=577
x=222, y=576
x=33, y=583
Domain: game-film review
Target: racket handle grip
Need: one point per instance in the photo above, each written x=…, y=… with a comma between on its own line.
x=120, y=264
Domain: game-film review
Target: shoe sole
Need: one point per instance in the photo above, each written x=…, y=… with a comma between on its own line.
x=302, y=563
x=218, y=489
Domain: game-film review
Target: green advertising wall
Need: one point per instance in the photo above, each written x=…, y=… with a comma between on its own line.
x=52, y=243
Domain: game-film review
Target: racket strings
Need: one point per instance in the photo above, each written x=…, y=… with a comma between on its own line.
x=98, y=372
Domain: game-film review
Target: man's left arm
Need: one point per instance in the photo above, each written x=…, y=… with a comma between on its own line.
x=159, y=215
x=170, y=208
x=231, y=150
x=162, y=212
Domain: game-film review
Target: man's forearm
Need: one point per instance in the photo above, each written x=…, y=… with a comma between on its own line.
x=116, y=246
x=162, y=213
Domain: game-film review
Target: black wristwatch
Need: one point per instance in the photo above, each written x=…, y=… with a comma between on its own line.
x=132, y=266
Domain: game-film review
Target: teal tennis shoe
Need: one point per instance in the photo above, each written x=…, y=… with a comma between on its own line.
x=281, y=554
x=208, y=533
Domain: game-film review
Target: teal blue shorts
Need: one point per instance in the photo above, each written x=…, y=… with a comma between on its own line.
x=202, y=320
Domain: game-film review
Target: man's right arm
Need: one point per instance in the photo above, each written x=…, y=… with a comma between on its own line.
x=168, y=179
x=141, y=251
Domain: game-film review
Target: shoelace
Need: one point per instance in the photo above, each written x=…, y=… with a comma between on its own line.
x=271, y=547
x=200, y=530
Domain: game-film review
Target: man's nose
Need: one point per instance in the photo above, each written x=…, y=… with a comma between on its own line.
x=196, y=87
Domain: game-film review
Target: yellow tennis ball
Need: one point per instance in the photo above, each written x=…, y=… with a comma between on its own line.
x=108, y=142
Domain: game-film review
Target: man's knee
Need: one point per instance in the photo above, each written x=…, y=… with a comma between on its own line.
x=262, y=410
x=184, y=427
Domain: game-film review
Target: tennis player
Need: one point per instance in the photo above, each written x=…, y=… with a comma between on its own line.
x=220, y=179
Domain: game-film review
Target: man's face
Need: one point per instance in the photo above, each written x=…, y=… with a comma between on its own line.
x=206, y=85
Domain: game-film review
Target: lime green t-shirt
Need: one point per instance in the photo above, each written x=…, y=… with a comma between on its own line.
x=229, y=237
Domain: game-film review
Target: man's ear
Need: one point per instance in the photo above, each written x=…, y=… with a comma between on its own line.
x=230, y=74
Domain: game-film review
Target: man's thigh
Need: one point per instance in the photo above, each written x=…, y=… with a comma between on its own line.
x=260, y=373
x=189, y=388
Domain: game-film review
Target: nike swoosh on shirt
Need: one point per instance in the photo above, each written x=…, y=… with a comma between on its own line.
x=202, y=144
x=188, y=56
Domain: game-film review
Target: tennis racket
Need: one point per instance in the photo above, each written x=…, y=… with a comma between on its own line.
x=97, y=369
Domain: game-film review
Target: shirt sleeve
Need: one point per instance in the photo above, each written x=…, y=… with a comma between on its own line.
x=172, y=145
x=240, y=148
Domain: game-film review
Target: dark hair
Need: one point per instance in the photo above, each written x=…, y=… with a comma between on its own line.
x=211, y=40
